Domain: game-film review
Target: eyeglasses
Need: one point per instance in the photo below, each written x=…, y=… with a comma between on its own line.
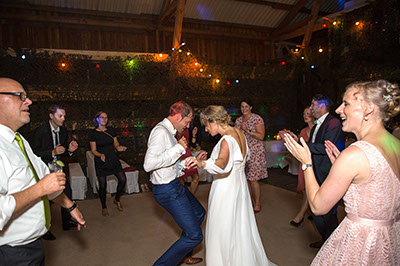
x=22, y=95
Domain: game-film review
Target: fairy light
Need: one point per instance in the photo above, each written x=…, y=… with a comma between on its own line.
x=320, y=50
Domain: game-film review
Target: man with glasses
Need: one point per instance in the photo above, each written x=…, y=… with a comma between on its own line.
x=25, y=185
x=51, y=141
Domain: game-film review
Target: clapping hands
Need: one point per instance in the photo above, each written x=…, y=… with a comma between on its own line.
x=301, y=152
x=331, y=150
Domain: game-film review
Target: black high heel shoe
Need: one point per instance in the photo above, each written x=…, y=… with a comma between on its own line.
x=296, y=224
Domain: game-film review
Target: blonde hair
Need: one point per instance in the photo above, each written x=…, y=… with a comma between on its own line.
x=382, y=93
x=215, y=113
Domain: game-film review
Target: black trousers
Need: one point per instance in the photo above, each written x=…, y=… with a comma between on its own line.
x=31, y=254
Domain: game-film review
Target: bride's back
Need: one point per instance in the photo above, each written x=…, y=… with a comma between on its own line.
x=240, y=139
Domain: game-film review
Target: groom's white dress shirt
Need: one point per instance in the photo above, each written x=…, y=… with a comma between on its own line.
x=163, y=153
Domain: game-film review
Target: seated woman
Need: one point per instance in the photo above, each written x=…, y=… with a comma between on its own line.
x=103, y=143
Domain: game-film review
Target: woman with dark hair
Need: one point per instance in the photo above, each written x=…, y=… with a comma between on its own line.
x=103, y=143
x=253, y=128
x=366, y=174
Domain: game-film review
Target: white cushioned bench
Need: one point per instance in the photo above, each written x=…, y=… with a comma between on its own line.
x=77, y=181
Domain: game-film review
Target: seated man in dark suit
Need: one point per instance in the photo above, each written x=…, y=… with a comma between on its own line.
x=326, y=127
x=51, y=141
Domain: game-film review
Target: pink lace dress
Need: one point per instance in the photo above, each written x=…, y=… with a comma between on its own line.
x=370, y=233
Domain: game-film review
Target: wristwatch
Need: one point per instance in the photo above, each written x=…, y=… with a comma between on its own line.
x=305, y=166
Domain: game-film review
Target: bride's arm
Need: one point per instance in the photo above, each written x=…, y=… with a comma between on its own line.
x=222, y=164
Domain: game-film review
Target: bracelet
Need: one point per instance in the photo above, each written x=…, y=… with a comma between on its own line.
x=73, y=207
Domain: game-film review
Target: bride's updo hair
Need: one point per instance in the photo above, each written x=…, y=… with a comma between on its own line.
x=383, y=94
x=215, y=113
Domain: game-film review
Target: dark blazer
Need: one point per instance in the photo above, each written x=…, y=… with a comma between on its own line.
x=42, y=144
x=331, y=129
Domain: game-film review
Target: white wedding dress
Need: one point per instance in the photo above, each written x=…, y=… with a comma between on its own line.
x=232, y=237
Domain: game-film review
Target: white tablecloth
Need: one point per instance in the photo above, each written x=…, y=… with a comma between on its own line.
x=112, y=182
x=276, y=154
x=77, y=181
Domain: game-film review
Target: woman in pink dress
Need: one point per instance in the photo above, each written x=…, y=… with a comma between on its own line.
x=305, y=134
x=366, y=175
x=253, y=128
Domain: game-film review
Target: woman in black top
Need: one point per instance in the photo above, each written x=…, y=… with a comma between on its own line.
x=103, y=143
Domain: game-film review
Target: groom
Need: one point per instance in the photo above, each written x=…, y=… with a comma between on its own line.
x=161, y=160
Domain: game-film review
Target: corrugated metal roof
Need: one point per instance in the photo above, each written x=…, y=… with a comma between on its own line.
x=229, y=11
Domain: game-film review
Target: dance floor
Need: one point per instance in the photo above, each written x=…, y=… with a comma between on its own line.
x=143, y=231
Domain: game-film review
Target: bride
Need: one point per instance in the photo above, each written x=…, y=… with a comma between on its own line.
x=232, y=236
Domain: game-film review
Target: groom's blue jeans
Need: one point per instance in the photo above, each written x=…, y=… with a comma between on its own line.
x=187, y=213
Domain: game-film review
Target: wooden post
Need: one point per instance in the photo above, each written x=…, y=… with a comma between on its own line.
x=178, y=23
x=311, y=23
x=158, y=41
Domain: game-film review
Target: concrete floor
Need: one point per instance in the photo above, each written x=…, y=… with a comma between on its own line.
x=143, y=231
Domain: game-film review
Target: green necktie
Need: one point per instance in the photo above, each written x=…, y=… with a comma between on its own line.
x=46, y=204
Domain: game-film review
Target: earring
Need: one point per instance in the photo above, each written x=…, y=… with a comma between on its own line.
x=366, y=118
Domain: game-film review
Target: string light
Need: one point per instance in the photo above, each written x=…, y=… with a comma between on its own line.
x=283, y=63
x=217, y=80
x=210, y=75
x=357, y=23
x=188, y=53
x=23, y=56
x=228, y=83
x=160, y=55
x=302, y=58
x=196, y=64
x=334, y=23
x=312, y=66
x=320, y=50
x=237, y=81
x=97, y=66
x=201, y=70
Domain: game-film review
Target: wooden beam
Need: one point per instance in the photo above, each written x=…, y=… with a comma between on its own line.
x=291, y=28
x=281, y=6
x=311, y=23
x=300, y=32
x=167, y=11
x=178, y=23
x=292, y=13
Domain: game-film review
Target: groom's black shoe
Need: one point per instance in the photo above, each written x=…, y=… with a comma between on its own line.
x=191, y=260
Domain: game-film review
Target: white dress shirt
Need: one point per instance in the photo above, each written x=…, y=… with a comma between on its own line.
x=319, y=123
x=163, y=153
x=16, y=176
x=54, y=133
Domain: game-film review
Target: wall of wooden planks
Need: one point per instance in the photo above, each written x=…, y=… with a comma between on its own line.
x=24, y=26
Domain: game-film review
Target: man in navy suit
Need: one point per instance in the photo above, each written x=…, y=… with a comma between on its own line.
x=51, y=141
x=326, y=127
